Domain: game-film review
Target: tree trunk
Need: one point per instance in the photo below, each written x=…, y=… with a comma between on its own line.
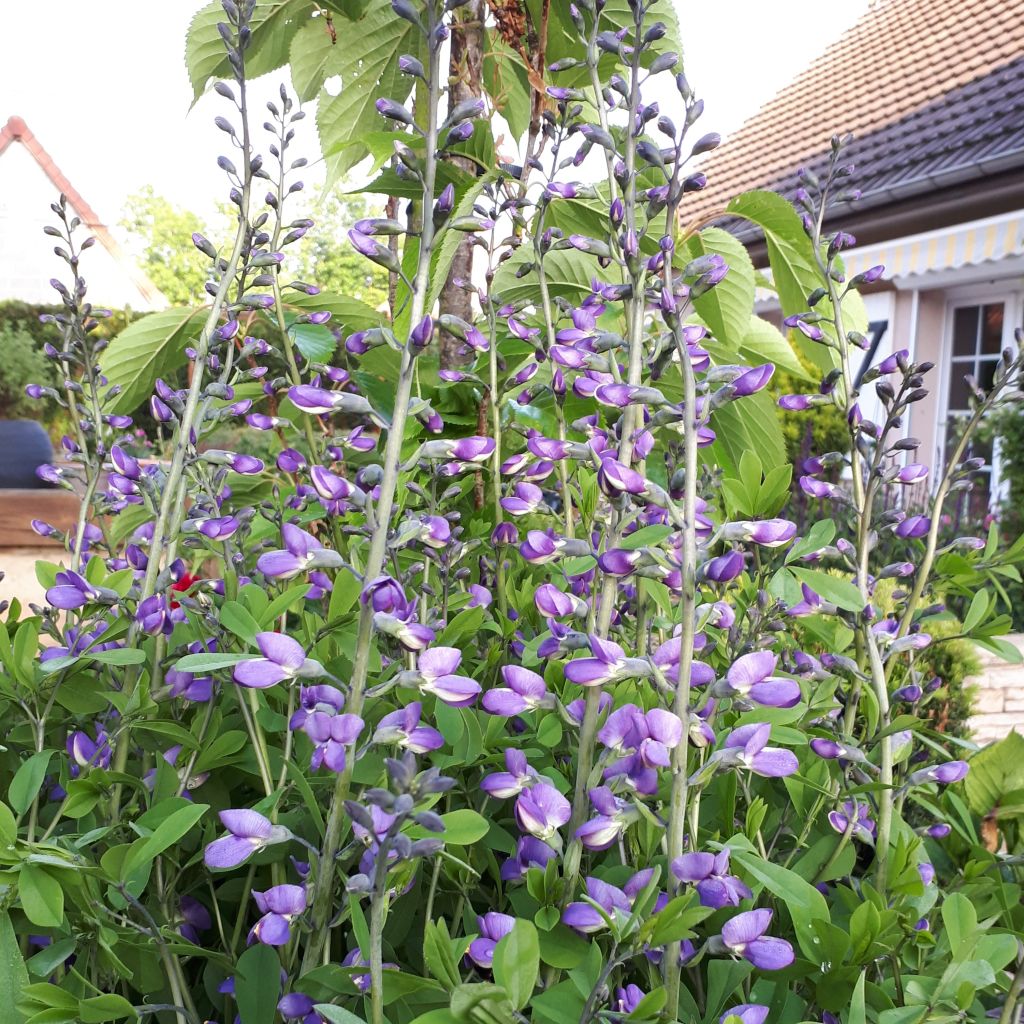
x=466, y=78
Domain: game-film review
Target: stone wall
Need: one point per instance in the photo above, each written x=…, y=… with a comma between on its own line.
x=999, y=704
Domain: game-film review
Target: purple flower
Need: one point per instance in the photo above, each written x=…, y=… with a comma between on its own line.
x=748, y=1013
x=855, y=817
x=557, y=603
x=302, y=552
x=331, y=733
x=283, y=658
x=194, y=918
x=435, y=674
x=613, y=817
x=541, y=811
x=746, y=747
x=751, y=676
x=753, y=380
x=403, y=727
x=585, y=918
x=724, y=568
x=950, y=771
x=938, y=831
x=520, y=776
x=614, y=478
x=530, y=853
x=279, y=905
x=526, y=499
x=609, y=659
x=715, y=887
x=297, y=1006
x=628, y=999
x=745, y=936
x=526, y=691
x=70, y=590
x=913, y=526
x=493, y=928
x=769, y=533
x=249, y=833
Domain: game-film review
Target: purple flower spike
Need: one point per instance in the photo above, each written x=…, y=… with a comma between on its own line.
x=493, y=928
x=526, y=691
x=280, y=905
x=283, y=658
x=249, y=833
x=745, y=936
x=542, y=811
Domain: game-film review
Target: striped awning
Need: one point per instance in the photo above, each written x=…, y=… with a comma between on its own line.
x=963, y=245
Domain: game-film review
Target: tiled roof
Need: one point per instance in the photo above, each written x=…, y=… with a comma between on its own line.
x=17, y=131
x=932, y=91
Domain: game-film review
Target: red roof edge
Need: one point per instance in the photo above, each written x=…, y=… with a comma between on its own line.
x=17, y=131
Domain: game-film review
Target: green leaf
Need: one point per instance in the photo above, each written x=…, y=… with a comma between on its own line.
x=337, y=1014
x=42, y=897
x=118, y=656
x=765, y=343
x=209, y=662
x=791, y=257
x=748, y=424
x=166, y=834
x=996, y=771
x=507, y=83
x=568, y=272
x=27, y=780
x=257, y=983
x=236, y=618
x=726, y=307
x=839, y=591
x=461, y=828
x=47, y=960
x=646, y=536
x=368, y=70
x=314, y=57
x=960, y=919
x=97, y=1009
x=804, y=903
x=13, y=976
x=857, y=1014
x=517, y=963
x=8, y=826
x=274, y=24
x=151, y=347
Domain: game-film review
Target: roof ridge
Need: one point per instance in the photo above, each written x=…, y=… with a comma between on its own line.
x=16, y=130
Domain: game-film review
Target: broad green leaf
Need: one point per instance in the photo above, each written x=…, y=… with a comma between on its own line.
x=151, y=347
x=517, y=963
x=347, y=315
x=236, y=618
x=764, y=343
x=314, y=57
x=27, y=780
x=646, y=536
x=461, y=828
x=368, y=70
x=726, y=307
x=8, y=826
x=568, y=273
x=857, y=1014
x=257, y=984
x=274, y=24
x=507, y=83
x=209, y=662
x=41, y=895
x=792, y=261
x=996, y=771
x=13, y=975
x=47, y=960
x=748, y=424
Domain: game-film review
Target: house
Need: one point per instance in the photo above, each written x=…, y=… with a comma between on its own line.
x=933, y=94
x=29, y=182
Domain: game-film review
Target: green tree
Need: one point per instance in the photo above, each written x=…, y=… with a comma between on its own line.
x=160, y=233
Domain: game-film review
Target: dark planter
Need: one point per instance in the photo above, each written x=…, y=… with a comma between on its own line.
x=24, y=445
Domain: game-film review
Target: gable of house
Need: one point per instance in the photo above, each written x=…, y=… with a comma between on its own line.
x=29, y=182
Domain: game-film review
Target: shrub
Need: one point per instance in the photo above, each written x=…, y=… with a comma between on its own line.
x=521, y=715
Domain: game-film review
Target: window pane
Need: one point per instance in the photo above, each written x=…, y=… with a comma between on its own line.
x=992, y=328
x=965, y=330
x=986, y=372
x=958, y=390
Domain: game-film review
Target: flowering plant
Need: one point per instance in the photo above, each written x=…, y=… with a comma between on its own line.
x=557, y=720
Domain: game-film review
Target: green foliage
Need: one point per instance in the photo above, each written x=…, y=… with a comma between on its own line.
x=21, y=363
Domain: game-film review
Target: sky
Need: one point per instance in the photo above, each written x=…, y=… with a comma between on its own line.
x=104, y=88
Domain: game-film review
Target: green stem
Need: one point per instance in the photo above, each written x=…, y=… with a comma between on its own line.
x=323, y=886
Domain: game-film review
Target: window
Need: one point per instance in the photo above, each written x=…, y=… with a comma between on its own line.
x=977, y=333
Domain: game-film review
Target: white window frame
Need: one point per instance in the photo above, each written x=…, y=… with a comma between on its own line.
x=1010, y=294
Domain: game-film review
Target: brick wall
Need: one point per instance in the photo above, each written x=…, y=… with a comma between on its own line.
x=999, y=704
